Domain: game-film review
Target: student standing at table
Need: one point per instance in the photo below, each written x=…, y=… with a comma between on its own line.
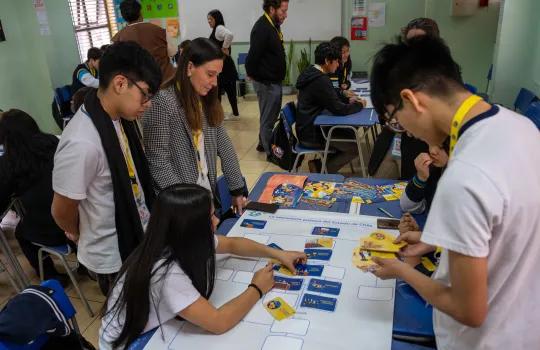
x=86, y=74
x=228, y=77
x=103, y=188
x=316, y=94
x=486, y=289
x=183, y=130
x=341, y=78
x=172, y=272
x=266, y=66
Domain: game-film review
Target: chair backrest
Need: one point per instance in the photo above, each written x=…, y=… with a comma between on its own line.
x=533, y=113
x=524, y=98
x=60, y=297
x=289, y=118
x=242, y=58
x=225, y=198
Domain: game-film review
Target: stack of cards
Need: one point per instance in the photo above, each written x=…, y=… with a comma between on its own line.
x=378, y=244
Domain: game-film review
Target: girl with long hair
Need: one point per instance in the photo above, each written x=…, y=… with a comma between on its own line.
x=183, y=129
x=227, y=79
x=172, y=272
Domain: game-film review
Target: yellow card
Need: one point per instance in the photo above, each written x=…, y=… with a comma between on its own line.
x=323, y=242
x=381, y=241
x=279, y=309
x=285, y=271
x=362, y=258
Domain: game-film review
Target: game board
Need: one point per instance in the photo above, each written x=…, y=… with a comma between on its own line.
x=362, y=313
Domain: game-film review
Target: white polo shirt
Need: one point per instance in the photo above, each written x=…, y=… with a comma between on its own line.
x=487, y=204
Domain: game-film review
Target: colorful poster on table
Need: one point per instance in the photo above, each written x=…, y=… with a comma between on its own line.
x=287, y=182
x=359, y=26
x=159, y=8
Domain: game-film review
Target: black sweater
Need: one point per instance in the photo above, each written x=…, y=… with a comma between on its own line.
x=315, y=94
x=266, y=57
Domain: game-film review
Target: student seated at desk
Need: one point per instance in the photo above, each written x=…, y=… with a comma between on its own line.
x=316, y=94
x=172, y=272
x=341, y=78
x=420, y=190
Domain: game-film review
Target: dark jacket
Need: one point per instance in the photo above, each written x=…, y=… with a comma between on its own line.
x=76, y=84
x=426, y=192
x=315, y=94
x=342, y=74
x=266, y=57
x=36, y=194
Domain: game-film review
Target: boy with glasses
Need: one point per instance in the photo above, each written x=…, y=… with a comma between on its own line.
x=485, y=290
x=103, y=190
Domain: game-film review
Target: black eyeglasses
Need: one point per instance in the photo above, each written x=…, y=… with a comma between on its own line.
x=146, y=96
x=391, y=121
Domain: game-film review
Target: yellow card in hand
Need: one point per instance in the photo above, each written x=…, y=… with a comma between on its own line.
x=381, y=241
x=362, y=258
x=279, y=309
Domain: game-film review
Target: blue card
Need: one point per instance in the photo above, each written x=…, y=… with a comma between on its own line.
x=318, y=254
x=310, y=270
x=325, y=231
x=250, y=223
x=319, y=302
x=275, y=246
x=286, y=283
x=321, y=286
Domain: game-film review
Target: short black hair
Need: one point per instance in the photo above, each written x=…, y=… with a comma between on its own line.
x=130, y=10
x=272, y=3
x=428, y=25
x=340, y=42
x=422, y=63
x=131, y=60
x=94, y=53
x=326, y=51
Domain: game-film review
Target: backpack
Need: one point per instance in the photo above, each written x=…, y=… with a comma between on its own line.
x=282, y=144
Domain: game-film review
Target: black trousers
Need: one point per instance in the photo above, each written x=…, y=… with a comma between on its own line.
x=230, y=89
x=106, y=282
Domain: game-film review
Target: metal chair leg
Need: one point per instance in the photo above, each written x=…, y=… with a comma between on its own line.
x=40, y=259
x=295, y=165
x=76, y=285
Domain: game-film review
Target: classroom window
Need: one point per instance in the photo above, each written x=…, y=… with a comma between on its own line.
x=94, y=23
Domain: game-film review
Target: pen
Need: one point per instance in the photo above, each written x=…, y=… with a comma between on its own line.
x=386, y=212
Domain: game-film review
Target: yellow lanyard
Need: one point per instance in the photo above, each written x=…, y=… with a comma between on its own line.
x=196, y=138
x=129, y=163
x=457, y=120
x=273, y=25
x=344, y=75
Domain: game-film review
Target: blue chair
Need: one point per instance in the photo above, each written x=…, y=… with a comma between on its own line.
x=524, y=98
x=242, y=78
x=472, y=89
x=63, y=303
x=62, y=106
x=533, y=113
x=61, y=252
x=288, y=115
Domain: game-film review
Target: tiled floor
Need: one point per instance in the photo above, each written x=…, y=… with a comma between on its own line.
x=244, y=135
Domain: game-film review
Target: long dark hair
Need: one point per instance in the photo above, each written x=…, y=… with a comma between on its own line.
x=28, y=151
x=218, y=19
x=199, y=52
x=179, y=232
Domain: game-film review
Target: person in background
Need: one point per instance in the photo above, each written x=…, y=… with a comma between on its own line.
x=78, y=98
x=420, y=190
x=86, y=74
x=316, y=94
x=103, y=188
x=172, y=272
x=394, y=153
x=486, y=212
x=228, y=77
x=184, y=132
x=342, y=77
x=266, y=66
x=151, y=37
x=183, y=45
x=25, y=173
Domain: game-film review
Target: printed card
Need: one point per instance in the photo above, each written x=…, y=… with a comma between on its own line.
x=324, y=242
x=279, y=309
x=319, y=302
x=325, y=231
x=381, y=241
x=286, y=283
x=322, y=286
x=318, y=254
x=250, y=223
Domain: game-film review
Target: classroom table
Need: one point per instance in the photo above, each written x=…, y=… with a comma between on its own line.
x=412, y=317
x=364, y=121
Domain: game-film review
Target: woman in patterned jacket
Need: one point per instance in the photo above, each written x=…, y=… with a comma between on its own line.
x=184, y=132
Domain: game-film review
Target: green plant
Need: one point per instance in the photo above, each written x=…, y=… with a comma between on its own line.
x=290, y=54
x=305, y=59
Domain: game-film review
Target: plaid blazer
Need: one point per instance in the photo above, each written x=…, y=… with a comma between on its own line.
x=171, y=152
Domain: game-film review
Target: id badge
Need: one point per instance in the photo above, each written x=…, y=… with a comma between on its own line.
x=396, y=147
